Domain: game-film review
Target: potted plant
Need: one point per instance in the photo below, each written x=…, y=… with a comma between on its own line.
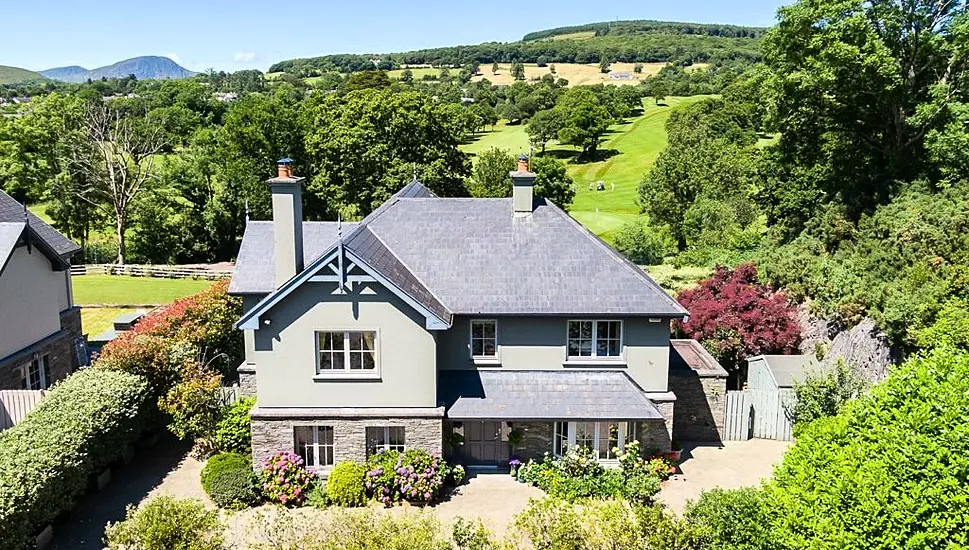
x=514, y=464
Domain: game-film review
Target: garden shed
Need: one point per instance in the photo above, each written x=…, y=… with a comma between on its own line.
x=779, y=372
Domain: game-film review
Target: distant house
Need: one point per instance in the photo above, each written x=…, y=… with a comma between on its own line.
x=226, y=97
x=779, y=372
x=40, y=327
x=620, y=76
x=438, y=320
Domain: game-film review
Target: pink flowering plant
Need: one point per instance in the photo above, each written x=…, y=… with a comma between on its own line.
x=414, y=476
x=284, y=480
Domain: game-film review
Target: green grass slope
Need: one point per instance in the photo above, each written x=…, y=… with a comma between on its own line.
x=11, y=75
x=630, y=147
x=120, y=289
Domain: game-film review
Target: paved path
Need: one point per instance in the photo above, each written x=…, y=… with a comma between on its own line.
x=493, y=497
x=83, y=528
x=735, y=464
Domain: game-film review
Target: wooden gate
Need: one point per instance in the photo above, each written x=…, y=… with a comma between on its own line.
x=757, y=413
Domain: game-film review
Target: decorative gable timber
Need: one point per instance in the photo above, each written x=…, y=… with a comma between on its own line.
x=344, y=267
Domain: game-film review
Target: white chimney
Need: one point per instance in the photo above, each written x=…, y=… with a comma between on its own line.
x=523, y=183
x=287, y=222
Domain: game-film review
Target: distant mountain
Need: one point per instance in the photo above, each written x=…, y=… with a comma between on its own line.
x=148, y=67
x=10, y=75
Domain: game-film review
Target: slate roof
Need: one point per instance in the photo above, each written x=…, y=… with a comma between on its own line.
x=789, y=368
x=542, y=395
x=12, y=211
x=474, y=256
x=9, y=237
x=690, y=354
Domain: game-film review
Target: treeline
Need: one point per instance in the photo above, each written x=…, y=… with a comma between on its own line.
x=682, y=49
x=647, y=27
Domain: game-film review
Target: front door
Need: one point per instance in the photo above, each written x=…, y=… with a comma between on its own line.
x=483, y=444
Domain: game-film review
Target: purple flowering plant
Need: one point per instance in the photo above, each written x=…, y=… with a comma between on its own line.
x=284, y=480
x=414, y=476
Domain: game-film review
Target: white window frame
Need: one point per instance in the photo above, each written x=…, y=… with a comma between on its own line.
x=625, y=430
x=346, y=371
x=315, y=449
x=482, y=359
x=43, y=367
x=401, y=447
x=595, y=337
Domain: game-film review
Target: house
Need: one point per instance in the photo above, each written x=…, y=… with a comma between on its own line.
x=779, y=372
x=451, y=324
x=40, y=339
x=620, y=76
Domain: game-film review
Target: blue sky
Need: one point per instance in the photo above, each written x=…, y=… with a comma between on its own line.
x=204, y=34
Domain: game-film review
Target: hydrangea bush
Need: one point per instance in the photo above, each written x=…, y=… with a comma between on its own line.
x=284, y=480
x=414, y=476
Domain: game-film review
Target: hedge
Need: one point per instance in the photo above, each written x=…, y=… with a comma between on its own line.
x=47, y=460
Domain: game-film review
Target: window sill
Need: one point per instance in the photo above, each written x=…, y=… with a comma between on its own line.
x=591, y=362
x=486, y=361
x=346, y=376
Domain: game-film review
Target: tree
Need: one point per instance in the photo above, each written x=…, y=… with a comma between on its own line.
x=553, y=182
x=642, y=244
x=407, y=76
x=518, y=71
x=541, y=61
x=368, y=79
x=638, y=68
x=494, y=68
x=551, y=69
x=490, y=178
x=543, y=127
x=604, y=65
x=734, y=316
x=583, y=120
x=116, y=162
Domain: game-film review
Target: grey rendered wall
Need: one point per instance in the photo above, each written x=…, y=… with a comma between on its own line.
x=284, y=352
x=526, y=343
x=31, y=296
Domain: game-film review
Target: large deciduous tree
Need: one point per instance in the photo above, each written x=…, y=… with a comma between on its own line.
x=553, y=182
x=490, y=178
x=584, y=120
x=544, y=127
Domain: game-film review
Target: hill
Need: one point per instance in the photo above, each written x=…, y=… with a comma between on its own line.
x=621, y=41
x=11, y=75
x=148, y=67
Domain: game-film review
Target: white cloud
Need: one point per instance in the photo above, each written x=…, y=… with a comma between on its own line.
x=174, y=57
x=244, y=57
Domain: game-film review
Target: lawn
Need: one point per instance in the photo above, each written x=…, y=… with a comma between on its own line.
x=95, y=320
x=630, y=149
x=576, y=73
x=123, y=290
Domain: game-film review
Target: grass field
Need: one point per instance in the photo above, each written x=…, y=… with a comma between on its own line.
x=118, y=289
x=633, y=146
x=95, y=320
x=9, y=75
x=576, y=73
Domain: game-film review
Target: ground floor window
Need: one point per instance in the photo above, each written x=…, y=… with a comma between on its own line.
x=36, y=374
x=602, y=437
x=314, y=444
x=385, y=438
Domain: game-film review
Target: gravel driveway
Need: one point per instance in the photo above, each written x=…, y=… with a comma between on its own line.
x=734, y=464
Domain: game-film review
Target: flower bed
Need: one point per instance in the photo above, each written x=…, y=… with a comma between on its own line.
x=414, y=476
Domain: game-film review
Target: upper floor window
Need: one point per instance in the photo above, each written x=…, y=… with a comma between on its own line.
x=595, y=339
x=314, y=444
x=484, y=338
x=346, y=351
x=36, y=374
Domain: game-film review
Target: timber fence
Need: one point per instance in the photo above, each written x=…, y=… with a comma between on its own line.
x=161, y=271
x=15, y=404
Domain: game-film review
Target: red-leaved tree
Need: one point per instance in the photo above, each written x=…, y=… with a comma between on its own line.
x=735, y=317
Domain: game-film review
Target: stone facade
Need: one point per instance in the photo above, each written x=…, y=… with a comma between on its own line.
x=536, y=439
x=270, y=435
x=653, y=435
x=60, y=347
x=247, y=380
x=700, y=406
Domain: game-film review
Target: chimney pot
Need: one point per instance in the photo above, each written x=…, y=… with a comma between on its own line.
x=523, y=163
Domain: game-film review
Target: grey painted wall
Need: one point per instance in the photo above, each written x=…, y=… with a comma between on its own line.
x=538, y=343
x=759, y=376
x=31, y=299
x=284, y=352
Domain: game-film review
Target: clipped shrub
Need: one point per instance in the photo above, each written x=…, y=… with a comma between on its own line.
x=734, y=519
x=77, y=430
x=167, y=523
x=284, y=480
x=229, y=481
x=234, y=430
x=345, y=487
x=456, y=475
x=641, y=487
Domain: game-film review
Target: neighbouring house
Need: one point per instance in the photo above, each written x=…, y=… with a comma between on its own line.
x=40, y=327
x=779, y=372
x=455, y=325
x=620, y=76
x=700, y=386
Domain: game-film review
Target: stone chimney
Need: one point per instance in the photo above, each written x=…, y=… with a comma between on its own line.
x=523, y=183
x=287, y=221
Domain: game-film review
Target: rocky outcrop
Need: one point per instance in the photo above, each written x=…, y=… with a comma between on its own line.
x=863, y=346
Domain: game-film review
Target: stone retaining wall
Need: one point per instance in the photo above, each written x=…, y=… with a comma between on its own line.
x=700, y=406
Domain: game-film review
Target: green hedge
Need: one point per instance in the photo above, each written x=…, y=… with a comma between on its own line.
x=229, y=481
x=47, y=460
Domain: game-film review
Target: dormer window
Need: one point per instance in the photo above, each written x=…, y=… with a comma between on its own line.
x=484, y=338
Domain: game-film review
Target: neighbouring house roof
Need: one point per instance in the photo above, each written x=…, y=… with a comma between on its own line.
x=689, y=354
x=12, y=211
x=473, y=256
x=10, y=233
x=787, y=369
x=542, y=395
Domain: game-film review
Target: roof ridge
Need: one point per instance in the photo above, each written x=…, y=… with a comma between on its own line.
x=411, y=270
x=619, y=258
